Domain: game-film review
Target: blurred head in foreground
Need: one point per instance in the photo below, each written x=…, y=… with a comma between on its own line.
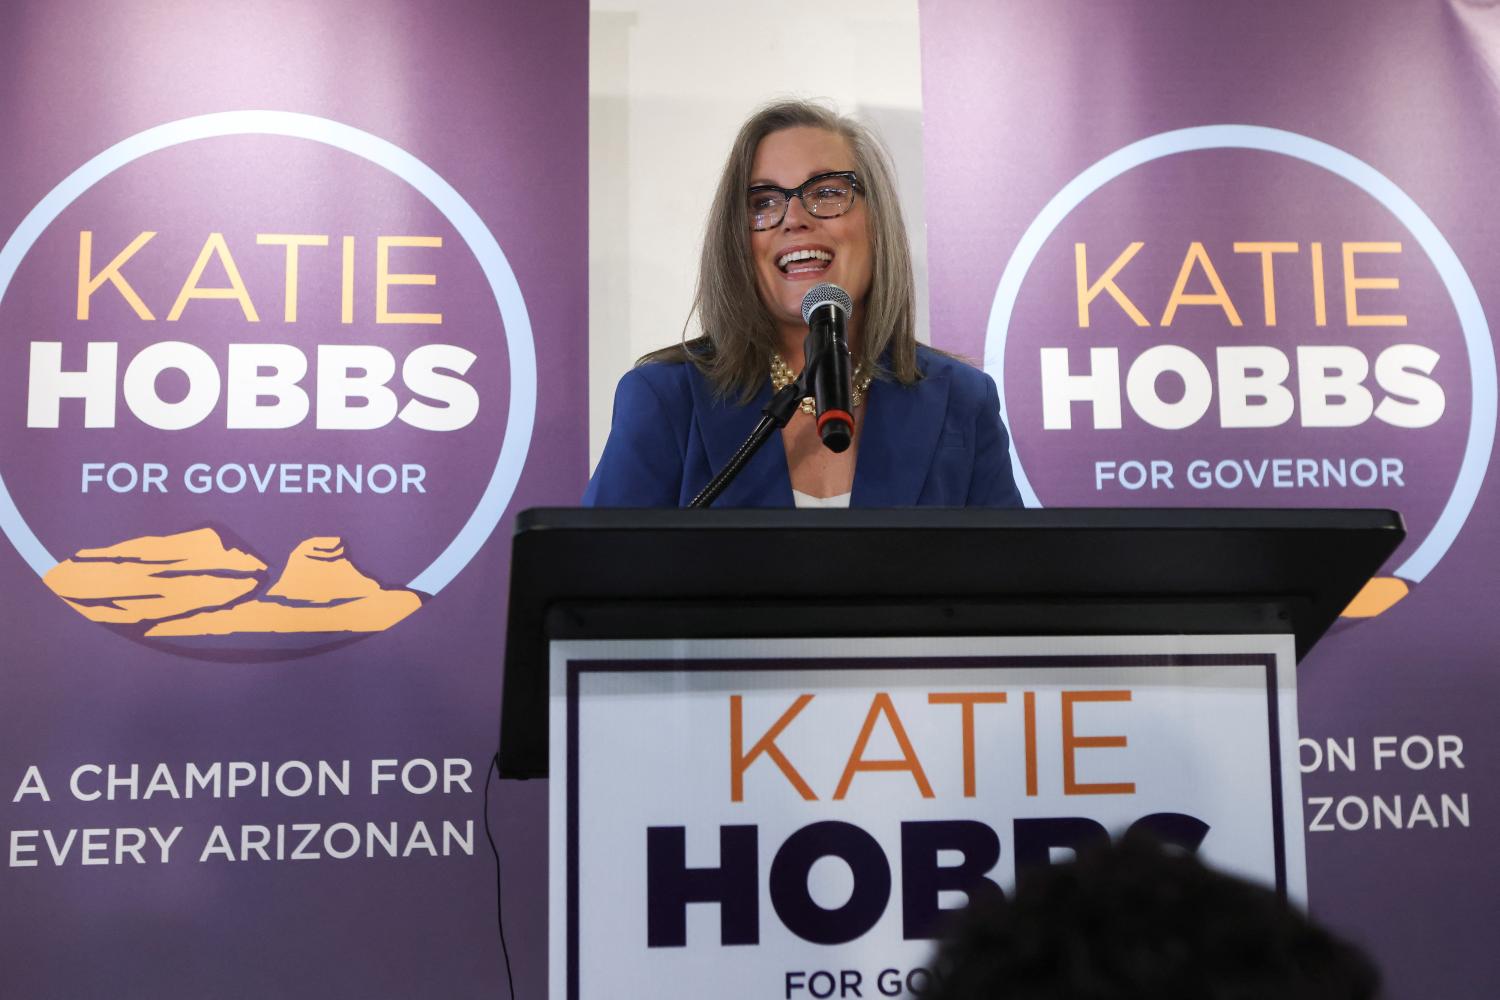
x=1137, y=922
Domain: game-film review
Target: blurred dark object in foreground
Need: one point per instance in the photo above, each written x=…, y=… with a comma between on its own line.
x=1136, y=921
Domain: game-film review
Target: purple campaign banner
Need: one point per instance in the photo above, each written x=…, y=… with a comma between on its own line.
x=291, y=297
x=1241, y=254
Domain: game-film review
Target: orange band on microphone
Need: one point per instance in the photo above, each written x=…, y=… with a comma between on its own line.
x=839, y=415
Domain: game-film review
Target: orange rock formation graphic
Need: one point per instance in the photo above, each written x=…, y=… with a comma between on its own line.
x=155, y=577
x=190, y=584
x=1376, y=597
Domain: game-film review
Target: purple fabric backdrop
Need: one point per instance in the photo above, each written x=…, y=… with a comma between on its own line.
x=1020, y=99
x=491, y=97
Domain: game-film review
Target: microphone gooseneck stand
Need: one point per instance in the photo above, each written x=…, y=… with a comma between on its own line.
x=775, y=416
x=825, y=355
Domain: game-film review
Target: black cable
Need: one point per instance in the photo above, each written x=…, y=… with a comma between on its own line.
x=499, y=901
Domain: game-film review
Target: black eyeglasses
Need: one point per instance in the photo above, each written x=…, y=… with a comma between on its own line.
x=826, y=196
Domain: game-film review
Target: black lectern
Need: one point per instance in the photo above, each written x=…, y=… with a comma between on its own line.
x=782, y=742
x=637, y=574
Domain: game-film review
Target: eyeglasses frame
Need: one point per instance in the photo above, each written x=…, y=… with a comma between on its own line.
x=796, y=192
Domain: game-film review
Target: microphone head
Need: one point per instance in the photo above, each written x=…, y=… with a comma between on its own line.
x=825, y=293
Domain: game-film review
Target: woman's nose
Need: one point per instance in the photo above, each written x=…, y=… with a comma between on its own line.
x=797, y=215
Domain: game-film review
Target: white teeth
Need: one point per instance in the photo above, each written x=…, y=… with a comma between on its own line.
x=791, y=258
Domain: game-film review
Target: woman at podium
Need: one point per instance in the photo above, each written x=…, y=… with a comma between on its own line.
x=806, y=198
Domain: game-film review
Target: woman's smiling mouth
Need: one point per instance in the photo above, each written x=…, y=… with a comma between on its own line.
x=799, y=261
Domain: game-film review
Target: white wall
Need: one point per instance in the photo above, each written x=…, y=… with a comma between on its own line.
x=670, y=81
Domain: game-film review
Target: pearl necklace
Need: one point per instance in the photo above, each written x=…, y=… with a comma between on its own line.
x=783, y=376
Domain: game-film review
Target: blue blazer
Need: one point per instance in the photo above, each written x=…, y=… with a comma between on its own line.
x=937, y=443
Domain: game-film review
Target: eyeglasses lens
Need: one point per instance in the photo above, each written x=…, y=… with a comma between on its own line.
x=829, y=197
x=767, y=208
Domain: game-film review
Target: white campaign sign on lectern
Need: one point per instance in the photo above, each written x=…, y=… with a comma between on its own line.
x=790, y=818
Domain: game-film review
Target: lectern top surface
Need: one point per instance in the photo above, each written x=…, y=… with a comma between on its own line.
x=966, y=518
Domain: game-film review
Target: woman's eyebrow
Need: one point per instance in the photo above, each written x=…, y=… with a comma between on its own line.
x=758, y=181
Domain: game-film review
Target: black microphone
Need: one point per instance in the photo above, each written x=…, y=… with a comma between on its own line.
x=825, y=310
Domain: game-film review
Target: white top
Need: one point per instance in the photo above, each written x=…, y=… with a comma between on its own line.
x=808, y=500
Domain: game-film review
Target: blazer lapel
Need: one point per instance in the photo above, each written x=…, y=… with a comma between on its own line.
x=724, y=426
x=898, y=440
